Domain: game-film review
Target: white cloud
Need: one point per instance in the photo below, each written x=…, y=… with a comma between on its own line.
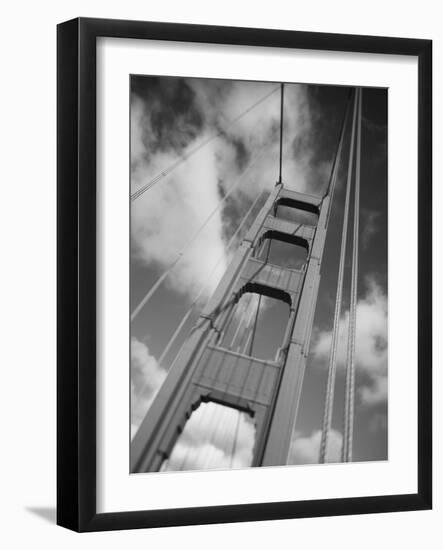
x=168, y=216
x=146, y=378
x=214, y=437
x=306, y=449
x=166, y=219
x=259, y=130
x=370, y=344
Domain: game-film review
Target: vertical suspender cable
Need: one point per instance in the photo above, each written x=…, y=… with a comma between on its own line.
x=254, y=327
x=282, y=98
x=330, y=388
x=243, y=315
x=281, y=131
x=251, y=345
x=350, y=362
x=235, y=440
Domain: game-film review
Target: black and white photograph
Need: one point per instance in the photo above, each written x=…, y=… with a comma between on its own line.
x=220, y=275
x=258, y=274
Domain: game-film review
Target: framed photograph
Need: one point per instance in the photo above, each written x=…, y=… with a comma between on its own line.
x=244, y=274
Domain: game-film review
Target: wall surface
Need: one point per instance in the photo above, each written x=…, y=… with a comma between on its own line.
x=27, y=300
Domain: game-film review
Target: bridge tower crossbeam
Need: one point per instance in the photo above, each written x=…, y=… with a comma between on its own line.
x=207, y=371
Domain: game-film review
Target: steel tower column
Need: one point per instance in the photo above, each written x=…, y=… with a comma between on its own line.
x=206, y=371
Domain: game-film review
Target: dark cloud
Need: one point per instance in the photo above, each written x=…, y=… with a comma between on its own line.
x=176, y=118
x=178, y=113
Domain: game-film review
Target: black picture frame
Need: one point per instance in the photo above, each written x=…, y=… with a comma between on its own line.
x=76, y=265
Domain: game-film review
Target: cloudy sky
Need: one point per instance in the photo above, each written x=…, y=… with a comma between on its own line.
x=207, y=131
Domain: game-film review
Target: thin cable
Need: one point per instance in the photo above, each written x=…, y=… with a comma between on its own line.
x=281, y=131
x=237, y=350
x=243, y=315
x=350, y=363
x=194, y=150
x=339, y=142
x=330, y=388
x=251, y=347
x=234, y=443
x=211, y=416
x=215, y=429
x=196, y=299
x=334, y=171
x=165, y=274
x=191, y=309
x=214, y=269
x=243, y=344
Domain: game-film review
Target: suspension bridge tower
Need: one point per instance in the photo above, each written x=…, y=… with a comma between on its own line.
x=207, y=370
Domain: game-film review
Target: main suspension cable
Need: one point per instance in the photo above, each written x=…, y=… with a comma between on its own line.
x=350, y=363
x=336, y=159
x=336, y=162
x=330, y=388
